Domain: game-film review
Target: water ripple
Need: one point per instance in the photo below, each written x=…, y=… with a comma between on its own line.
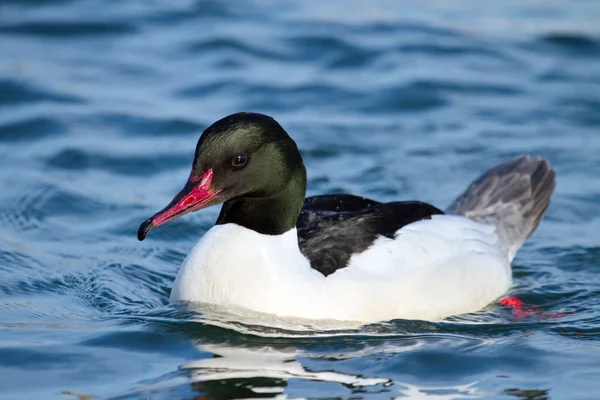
x=15, y=93
x=68, y=28
x=75, y=159
x=31, y=129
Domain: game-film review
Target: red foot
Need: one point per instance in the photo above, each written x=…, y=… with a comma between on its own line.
x=520, y=310
x=512, y=302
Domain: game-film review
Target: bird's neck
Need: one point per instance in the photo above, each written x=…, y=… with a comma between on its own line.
x=270, y=215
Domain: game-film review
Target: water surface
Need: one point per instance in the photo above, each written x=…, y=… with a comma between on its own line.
x=101, y=104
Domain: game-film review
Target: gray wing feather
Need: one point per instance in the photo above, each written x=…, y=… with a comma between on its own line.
x=512, y=196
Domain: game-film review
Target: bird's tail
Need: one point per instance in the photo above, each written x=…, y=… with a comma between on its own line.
x=512, y=196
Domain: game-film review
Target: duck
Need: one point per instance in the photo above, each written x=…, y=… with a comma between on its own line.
x=340, y=256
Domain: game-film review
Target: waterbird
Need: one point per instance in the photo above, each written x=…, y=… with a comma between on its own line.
x=341, y=256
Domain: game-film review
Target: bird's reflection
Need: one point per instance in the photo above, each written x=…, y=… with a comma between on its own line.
x=264, y=363
x=267, y=362
x=530, y=394
x=266, y=372
x=258, y=356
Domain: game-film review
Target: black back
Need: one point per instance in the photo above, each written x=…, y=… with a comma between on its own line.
x=334, y=227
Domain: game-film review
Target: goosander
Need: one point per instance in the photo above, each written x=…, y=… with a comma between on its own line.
x=344, y=257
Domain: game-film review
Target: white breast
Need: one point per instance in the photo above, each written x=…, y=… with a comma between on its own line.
x=232, y=265
x=432, y=269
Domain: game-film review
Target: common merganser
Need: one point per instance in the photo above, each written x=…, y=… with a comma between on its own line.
x=344, y=257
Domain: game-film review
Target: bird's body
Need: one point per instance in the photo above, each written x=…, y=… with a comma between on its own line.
x=344, y=257
x=433, y=268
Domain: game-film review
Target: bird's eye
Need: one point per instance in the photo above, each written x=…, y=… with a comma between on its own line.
x=240, y=160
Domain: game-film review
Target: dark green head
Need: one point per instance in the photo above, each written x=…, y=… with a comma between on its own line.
x=248, y=162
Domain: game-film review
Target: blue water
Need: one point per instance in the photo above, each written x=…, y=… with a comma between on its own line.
x=101, y=104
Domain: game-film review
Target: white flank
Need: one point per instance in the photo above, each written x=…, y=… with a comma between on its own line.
x=434, y=268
